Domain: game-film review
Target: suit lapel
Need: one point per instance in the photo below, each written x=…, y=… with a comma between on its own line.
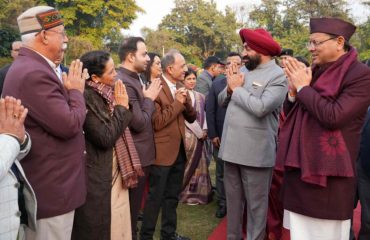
x=50, y=70
x=166, y=90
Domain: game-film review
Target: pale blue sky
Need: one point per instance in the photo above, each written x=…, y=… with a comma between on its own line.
x=155, y=10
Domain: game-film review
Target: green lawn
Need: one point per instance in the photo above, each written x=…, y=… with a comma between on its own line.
x=196, y=222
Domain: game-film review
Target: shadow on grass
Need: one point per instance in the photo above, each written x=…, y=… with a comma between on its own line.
x=196, y=222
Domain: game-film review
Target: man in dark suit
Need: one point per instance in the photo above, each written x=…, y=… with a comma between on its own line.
x=215, y=122
x=16, y=45
x=172, y=108
x=134, y=60
x=363, y=178
x=55, y=166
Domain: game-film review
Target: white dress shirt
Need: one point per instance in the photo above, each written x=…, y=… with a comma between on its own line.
x=171, y=85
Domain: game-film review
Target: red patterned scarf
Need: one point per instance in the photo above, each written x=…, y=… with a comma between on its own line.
x=127, y=156
x=305, y=144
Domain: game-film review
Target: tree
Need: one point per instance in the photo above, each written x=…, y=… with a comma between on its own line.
x=287, y=20
x=10, y=10
x=77, y=47
x=268, y=16
x=7, y=36
x=197, y=29
x=91, y=24
x=98, y=21
x=361, y=39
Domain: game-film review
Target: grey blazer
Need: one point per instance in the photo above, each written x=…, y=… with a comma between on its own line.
x=251, y=122
x=204, y=83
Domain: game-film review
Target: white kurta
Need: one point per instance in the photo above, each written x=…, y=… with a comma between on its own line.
x=307, y=228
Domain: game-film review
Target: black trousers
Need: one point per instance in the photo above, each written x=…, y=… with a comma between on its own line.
x=363, y=183
x=136, y=195
x=220, y=188
x=165, y=186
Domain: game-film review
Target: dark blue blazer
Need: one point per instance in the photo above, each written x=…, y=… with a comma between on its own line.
x=364, y=156
x=214, y=112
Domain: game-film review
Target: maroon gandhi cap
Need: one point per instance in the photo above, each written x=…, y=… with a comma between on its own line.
x=333, y=26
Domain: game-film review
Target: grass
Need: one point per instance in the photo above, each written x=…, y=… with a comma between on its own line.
x=196, y=222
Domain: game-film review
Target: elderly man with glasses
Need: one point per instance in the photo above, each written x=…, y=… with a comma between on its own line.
x=55, y=165
x=319, y=139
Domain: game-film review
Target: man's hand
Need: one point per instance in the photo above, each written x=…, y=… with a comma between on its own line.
x=153, y=89
x=76, y=76
x=216, y=142
x=12, y=116
x=234, y=77
x=297, y=73
x=181, y=95
x=120, y=94
x=204, y=137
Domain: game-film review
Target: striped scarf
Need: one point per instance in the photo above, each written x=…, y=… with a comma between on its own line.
x=127, y=156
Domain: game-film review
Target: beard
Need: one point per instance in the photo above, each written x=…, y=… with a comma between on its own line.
x=140, y=67
x=251, y=62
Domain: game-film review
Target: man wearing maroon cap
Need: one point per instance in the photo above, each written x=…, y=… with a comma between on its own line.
x=249, y=135
x=319, y=140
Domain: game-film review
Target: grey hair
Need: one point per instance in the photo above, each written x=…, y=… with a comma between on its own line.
x=169, y=58
x=28, y=38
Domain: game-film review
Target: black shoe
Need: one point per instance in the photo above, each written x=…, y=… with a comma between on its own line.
x=176, y=237
x=221, y=211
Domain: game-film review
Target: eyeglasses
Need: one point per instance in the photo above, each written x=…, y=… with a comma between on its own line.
x=63, y=33
x=229, y=63
x=314, y=44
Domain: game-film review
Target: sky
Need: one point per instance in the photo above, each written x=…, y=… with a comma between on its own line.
x=155, y=10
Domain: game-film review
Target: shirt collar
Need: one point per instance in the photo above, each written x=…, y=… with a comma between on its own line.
x=130, y=73
x=267, y=64
x=170, y=84
x=52, y=65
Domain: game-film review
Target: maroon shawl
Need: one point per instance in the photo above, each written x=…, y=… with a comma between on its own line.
x=305, y=144
x=127, y=156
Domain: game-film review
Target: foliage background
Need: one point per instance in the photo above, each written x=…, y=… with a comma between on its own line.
x=195, y=27
x=90, y=24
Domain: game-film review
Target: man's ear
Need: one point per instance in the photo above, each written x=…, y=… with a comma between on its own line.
x=131, y=57
x=169, y=70
x=340, y=42
x=43, y=37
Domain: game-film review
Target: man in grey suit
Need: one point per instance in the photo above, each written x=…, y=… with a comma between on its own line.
x=249, y=135
x=211, y=70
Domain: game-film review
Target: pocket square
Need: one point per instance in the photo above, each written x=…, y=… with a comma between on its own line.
x=256, y=84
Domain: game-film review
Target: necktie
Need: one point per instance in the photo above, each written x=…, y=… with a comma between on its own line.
x=59, y=73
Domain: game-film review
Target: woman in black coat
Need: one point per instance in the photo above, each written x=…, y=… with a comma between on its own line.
x=111, y=163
